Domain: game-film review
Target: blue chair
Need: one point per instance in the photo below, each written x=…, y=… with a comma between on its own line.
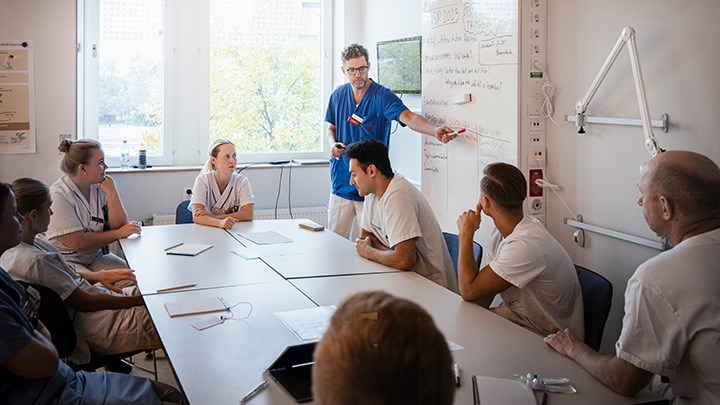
x=182, y=214
x=597, y=299
x=453, y=244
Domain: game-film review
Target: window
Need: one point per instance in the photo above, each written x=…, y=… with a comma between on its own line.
x=170, y=76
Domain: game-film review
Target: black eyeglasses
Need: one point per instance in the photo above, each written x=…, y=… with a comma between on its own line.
x=361, y=69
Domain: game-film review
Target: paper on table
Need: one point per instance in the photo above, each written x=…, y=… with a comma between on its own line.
x=265, y=238
x=193, y=306
x=188, y=249
x=501, y=391
x=266, y=251
x=307, y=324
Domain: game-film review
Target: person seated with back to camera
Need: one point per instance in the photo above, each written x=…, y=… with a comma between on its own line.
x=221, y=196
x=530, y=270
x=382, y=350
x=399, y=228
x=30, y=370
x=89, y=215
x=106, y=322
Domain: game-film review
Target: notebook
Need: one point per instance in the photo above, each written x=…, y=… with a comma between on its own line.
x=189, y=249
x=192, y=306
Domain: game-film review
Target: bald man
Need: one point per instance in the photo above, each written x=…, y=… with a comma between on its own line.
x=672, y=302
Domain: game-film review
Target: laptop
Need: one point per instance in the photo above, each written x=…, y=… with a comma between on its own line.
x=293, y=371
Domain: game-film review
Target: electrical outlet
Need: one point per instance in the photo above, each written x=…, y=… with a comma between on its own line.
x=537, y=124
x=535, y=17
x=534, y=105
x=186, y=193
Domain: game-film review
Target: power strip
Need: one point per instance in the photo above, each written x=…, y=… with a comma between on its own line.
x=533, y=125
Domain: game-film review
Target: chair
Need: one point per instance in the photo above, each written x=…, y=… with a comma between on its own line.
x=453, y=244
x=53, y=314
x=597, y=299
x=182, y=214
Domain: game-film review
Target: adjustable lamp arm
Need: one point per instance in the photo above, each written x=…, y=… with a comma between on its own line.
x=627, y=36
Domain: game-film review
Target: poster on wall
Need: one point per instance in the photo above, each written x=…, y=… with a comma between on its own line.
x=17, y=98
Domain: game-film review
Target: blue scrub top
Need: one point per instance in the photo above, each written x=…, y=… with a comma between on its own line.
x=377, y=109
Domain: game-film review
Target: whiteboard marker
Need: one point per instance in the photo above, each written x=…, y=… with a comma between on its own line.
x=459, y=131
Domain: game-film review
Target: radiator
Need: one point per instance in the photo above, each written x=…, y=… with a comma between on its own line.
x=315, y=214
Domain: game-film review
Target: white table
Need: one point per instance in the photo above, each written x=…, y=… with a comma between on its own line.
x=215, y=267
x=493, y=346
x=322, y=253
x=221, y=364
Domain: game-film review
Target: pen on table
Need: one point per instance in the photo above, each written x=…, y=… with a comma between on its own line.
x=180, y=287
x=253, y=392
x=456, y=374
x=544, y=398
x=173, y=246
x=476, y=395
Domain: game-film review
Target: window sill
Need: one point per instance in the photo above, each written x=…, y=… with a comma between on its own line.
x=243, y=166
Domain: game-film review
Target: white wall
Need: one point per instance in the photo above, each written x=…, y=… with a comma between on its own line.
x=51, y=27
x=677, y=44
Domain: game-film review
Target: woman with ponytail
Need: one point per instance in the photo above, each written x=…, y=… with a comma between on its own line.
x=221, y=196
x=89, y=214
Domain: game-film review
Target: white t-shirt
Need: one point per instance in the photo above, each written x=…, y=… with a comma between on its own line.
x=402, y=214
x=545, y=295
x=207, y=193
x=42, y=264
x=73, y=213
x=672, y=318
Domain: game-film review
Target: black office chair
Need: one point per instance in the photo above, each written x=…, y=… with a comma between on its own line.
x=453, y=245
x=182, y=214
x=597, y=299
x=53, y=314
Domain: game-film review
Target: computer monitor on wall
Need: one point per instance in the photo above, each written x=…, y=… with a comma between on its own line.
x=399, y=65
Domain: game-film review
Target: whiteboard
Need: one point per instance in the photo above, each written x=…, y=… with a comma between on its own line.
x=469, y=47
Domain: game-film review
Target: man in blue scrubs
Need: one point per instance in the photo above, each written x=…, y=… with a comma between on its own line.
x=357, y=110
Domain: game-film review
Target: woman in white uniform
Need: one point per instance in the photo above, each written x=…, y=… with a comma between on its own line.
x=221, y=196
x=89, y=214
x=109, y=322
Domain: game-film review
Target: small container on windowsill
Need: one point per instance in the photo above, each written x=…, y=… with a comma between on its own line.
x=142, y=159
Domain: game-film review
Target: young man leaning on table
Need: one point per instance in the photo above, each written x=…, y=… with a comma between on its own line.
x=399, y=229
x=528, y=268
x=672, y=301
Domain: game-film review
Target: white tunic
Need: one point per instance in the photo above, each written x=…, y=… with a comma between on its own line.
x=545, y=295
x=73, y=213
x=672, y=318
x=402, y=214
x=207, y=193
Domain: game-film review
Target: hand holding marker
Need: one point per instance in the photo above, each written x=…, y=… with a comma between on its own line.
x=458, y=132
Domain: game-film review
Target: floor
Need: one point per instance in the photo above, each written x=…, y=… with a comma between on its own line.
x=165, y=373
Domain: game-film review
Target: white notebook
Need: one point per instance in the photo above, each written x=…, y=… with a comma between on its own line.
x=189, y=249
x=503, y=391
x=192, y=306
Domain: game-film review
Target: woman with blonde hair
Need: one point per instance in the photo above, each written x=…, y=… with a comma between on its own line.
x=106, y=322
x=221, y=196
x=89, y=214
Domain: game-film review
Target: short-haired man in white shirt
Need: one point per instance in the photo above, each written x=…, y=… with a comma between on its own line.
x=399, y=228
x=672, y=301
x=528, y=268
